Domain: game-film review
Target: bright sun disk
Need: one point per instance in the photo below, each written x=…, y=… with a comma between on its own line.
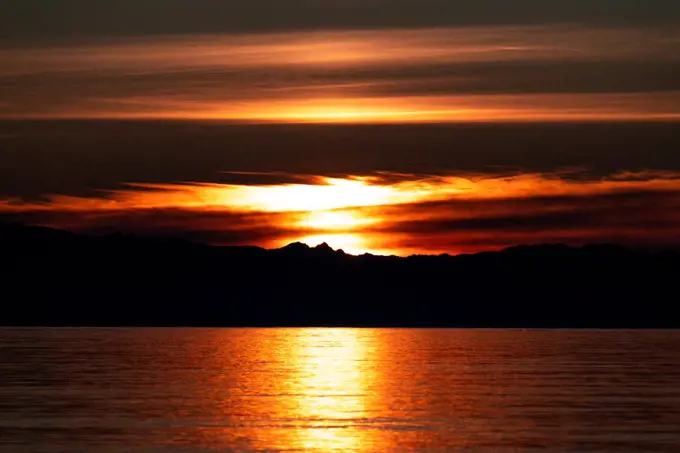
x=334, y=220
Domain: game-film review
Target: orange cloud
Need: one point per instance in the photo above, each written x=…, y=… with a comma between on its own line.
x=356, y=76
x=348, y=47
x=399, y=214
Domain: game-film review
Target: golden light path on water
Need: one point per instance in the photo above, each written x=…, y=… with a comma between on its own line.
x=317, y=390
x=331, y=389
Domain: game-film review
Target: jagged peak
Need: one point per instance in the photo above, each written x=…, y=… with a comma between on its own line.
x=324, y=247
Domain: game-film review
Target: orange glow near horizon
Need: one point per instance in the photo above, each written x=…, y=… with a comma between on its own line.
x=319, y=194
x=354, y=213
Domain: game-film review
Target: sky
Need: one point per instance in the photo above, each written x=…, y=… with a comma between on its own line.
x=397, y=126
x=84, y=19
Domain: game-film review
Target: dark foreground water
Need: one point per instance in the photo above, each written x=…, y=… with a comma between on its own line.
x=355, y=390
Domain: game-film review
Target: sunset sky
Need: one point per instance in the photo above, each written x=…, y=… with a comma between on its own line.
x=388, y=126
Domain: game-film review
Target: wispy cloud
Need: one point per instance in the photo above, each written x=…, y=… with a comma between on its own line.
x=442, y=74
x=337, y=48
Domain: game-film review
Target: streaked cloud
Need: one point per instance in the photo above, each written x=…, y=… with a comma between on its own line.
x=389, y=213
x=353, y=47
x=501, y=73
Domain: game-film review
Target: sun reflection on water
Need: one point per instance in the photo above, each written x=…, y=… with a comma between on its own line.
x=332, y=389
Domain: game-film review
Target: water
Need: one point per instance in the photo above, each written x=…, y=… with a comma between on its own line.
x=324, y=390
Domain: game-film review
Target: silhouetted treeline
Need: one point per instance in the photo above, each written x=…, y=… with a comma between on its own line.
x=52, y=277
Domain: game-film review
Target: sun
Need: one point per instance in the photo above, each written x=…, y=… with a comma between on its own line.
x=325, y=194
x=339, y=229
x=334, y=220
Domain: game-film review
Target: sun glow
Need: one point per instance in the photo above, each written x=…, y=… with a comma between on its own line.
x=379, y=213
x=355, y=112
x=333, y=220
x=332, y=193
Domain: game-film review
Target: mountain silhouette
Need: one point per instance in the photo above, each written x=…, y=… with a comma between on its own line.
x=53, y=277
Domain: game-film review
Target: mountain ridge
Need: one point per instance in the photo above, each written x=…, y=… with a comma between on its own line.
x=54, y=277
x=50, y=233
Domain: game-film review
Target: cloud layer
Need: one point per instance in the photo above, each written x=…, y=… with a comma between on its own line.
x=492, y=73
x=391, y=213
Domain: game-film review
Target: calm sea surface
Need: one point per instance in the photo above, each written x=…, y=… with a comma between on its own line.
x=324, y=390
